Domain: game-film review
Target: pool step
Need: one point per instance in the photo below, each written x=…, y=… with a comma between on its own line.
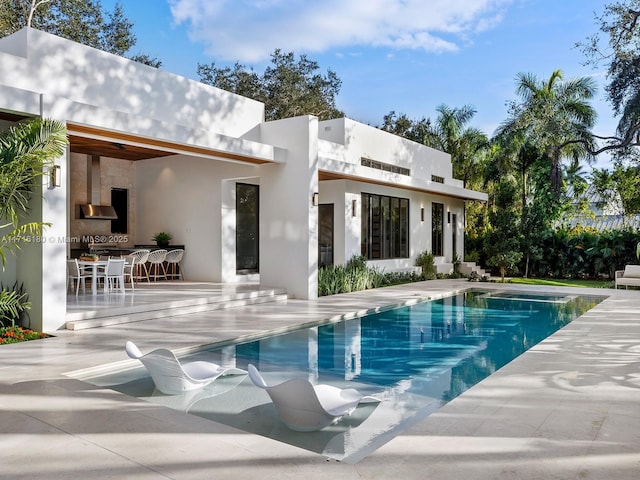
x=120, y=315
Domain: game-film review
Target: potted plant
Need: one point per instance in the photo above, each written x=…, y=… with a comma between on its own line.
x=162, y=239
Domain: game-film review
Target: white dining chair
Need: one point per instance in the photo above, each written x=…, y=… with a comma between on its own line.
x=113, y=275
x=76, y=275
x=129, y=269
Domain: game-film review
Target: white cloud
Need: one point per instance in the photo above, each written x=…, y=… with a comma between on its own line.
x=250, y=30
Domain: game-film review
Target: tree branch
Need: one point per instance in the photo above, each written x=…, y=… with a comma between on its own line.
x=35, y=4
x=630, y=140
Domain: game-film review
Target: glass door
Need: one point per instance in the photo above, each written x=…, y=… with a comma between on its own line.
x=247, y=232
x=325, y=234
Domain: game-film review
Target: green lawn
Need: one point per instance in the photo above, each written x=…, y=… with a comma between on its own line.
x=563, y=282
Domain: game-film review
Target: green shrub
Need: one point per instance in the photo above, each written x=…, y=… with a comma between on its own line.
x=13, y=305
x=426, y=260
x=356, y=276
x=472, y=256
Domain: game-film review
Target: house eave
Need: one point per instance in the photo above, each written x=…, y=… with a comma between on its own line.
x=410, y=184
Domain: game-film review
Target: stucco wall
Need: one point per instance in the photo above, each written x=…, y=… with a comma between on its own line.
x=348, y=227
x=353, y=140
x=57, y=67
x=289, y=221
x=183, y=196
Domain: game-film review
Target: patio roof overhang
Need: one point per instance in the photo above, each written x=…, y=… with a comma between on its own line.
x=436, y=189
x=108, y=143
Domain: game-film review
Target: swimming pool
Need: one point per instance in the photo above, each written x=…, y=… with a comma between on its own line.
x=415, y=359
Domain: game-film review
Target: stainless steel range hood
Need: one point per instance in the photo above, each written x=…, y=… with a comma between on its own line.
x=94, y=210
x=98, y=212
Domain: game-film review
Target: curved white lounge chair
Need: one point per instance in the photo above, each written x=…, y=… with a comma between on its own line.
x=304, y=407
x=172, y=377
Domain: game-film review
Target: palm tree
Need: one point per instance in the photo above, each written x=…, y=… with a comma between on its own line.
x=25, y=150
x=555, y=116
x=450, y=134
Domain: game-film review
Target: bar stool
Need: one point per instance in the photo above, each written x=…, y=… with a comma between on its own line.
x=174, y=267
x=141, y=257
x=156, y=262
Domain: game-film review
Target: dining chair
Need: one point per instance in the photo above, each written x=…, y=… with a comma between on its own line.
x=76, y=275
x=174, y=265
x=156, y=262
x=113, y=274
x=129, y=268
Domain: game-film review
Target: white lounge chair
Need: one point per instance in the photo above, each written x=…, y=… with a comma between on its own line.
x=304, y=407
x=172, y=377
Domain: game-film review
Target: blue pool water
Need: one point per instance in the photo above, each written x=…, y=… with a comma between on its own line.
x=415, y=359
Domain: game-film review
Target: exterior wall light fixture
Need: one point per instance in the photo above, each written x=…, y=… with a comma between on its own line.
x=315, y=198
x=55, y=176
x=354, y=205
x=422, y=214
x=448, y=217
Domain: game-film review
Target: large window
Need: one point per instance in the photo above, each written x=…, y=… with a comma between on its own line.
x=437, y=229
x=385, y=227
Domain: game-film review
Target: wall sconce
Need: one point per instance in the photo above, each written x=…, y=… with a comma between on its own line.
x=55, y=176
x=422, y=214
x=448, y=217
x=315, y=199
x=354, y=205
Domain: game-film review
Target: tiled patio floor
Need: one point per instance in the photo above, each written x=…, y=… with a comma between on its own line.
x=567, y=409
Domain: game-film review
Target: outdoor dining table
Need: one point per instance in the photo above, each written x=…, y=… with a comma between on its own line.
x=94, y=272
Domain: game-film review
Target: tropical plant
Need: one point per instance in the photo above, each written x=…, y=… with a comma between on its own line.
x=161, y=238
x=556, y=117
x=505, y=261
x=356, y=275
x=26, y=149
x=426, y=260
x=13, y=304
x=450, y=133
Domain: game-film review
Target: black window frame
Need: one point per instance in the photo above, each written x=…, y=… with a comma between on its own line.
x=437, y=229
x=252, y=220
x=384, y=227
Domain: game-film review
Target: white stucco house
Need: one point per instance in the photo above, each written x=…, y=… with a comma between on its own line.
x=250, y=200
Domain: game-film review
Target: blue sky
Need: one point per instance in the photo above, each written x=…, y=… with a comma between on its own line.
x=404, y=55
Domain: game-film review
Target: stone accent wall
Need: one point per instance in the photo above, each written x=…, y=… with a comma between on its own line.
x=113, y=173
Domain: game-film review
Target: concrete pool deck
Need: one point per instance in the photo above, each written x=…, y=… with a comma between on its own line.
x=569, y=408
